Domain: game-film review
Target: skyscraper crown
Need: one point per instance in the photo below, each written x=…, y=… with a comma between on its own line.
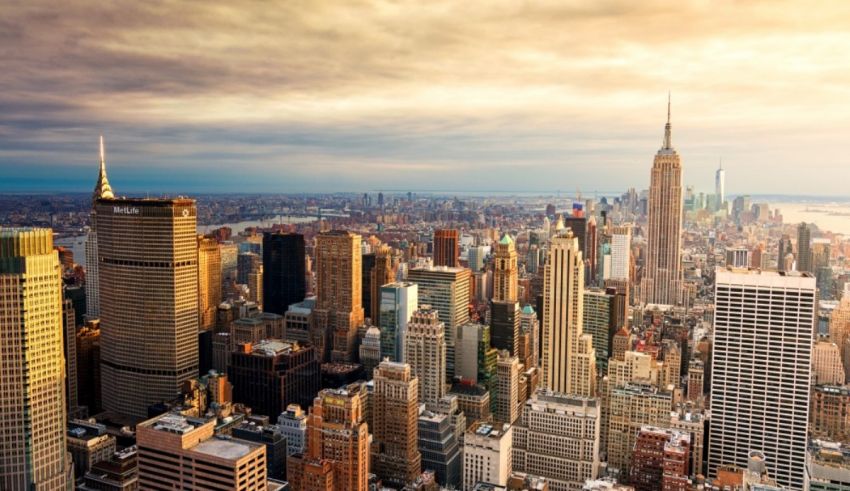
x=102, y=189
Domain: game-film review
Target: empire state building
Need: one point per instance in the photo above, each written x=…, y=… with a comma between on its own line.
x=662, y=279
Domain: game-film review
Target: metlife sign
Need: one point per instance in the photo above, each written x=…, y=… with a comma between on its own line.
x=125, y=210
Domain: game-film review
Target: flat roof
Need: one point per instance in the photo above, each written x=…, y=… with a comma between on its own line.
x=225, y=448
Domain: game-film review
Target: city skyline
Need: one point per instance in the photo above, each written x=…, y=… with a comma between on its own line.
x=339, y=97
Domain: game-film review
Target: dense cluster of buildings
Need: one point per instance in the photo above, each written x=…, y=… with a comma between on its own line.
x=657, y=341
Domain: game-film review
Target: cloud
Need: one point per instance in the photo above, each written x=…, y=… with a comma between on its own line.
x=362, y=94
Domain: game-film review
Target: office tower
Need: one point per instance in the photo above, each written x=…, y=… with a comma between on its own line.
x=229, y=268
x=274, y=441
x=88, y=366
x=32, y=423
x=487, y=454
x=632, y=406
x=439, y=447
x=269, y=375
x=395, y=456
x=692, y=421
x=504, y=309
x=247, y=263
x=839, y=328
x=339, y=311
x=446, y=247
x=738, y=257
x=475, y=257
x=599, y=323
x=578, y=225
x=367, y=264
x=621, y=249
x=558, y=438
x=148, y=255
x=670, y=372
x=209, y=281
x=830, y=416
x=284, y=275
x=370, y=351
x=804, y=249
x=337, y=456
x=592, y=247
x=177, y=451
x=569, y=361
x=447, y=291
x=477, y=357
x=720, y=188
x=88, y=444
x=255, y=286
x=379, y=275
x=425, y=352
x=660, y=456
x=827, y=367
x=784, y=248
x=762, y=406
x=662, y=280
x=696, y=380
x=69, y=352
x=530, y=326
x=398, y=302
x=102, y=190
x=292, y=424
x=507, y=388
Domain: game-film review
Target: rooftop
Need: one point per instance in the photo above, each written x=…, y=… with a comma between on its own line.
x=175, y=423
x=273, y=347
x=225, y=447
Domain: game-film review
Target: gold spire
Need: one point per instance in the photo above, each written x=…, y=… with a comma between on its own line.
x=102, y=190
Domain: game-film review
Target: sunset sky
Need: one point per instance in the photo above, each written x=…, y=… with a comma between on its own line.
x=489, y=95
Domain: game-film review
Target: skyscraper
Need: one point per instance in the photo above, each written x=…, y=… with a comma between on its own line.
x=148, y=259
x=804, y=248
x=446, y=247
x=339, y=309
x=32, y=422
x=102, y=190
x=395, y=407
x=762, y=406
x=720, y=187
x=379, y=275
x=447, y=291
x=569, y=361
x=209, y=281
x=507, y=388
x=425, y=352
x=284, y=280
x=662, y=281
x=504, y=309
x=398, y=302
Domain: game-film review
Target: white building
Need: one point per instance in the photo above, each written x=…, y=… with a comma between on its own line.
x=764, y=326
x=487, y=454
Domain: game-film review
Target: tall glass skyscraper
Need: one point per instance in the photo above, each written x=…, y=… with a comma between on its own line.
x=284, y=281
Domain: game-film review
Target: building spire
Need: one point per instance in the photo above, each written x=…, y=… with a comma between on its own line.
x=102, y=189
x=668, y=141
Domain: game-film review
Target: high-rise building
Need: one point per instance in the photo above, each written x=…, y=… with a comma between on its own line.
x=487, y=454
x=229, y=268
x=621, y=250
x=764, y=406
x=88, y=366
x=247, y=263
x=599, y=323
x=284, y=275
x=660, y=457
x=720, y=188
x=102, y=190
x=827, y=367
x=370, y=350
x=367, y=264
x=830, y=417
x=274, y=441
x=447, y=291
x=632, y=406
x=569, y=361
x=339, y=309
x=69, y=351
x=178, y=451
x=269, y=375
x=425, y=352
x=804, y=248
x=209, y=281
x=504, y=309
x=662, y=280
x=558, y=438
x=398, y=302
x=446, y=247
x=292, y=424
x=337, y=456
x=439, y=447
x=507, y=388
x=379, y=275
x=784, y=249
x=32, y=422
x=148, y=260
x=395, y=455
